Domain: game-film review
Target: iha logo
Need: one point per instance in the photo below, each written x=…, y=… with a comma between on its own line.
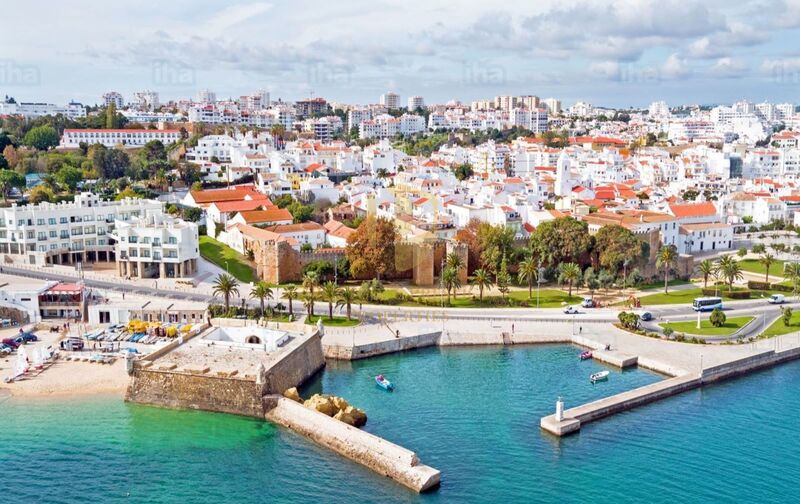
x=483, y=73
x=15, y=74
x=166, y=73
x=639, y=75
x=783, y=73
x=331, y=75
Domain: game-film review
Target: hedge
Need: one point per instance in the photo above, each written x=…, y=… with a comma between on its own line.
x=764, y=286
x=735, y=294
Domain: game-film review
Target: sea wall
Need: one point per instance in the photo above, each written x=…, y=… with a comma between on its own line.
x=184, y=390
x=376, y=453
x=381, y=347
x=295, y=367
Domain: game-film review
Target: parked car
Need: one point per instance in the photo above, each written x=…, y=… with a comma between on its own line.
x=12, y=342
x=588, y=302
x=5, y=349
x=776, y=299
x=570, y=310
x=646, y=316
x=29, y=337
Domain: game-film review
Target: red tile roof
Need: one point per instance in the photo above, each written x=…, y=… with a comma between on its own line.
x=688, y=210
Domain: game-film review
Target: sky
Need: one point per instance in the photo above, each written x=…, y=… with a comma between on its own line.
x=615, y=53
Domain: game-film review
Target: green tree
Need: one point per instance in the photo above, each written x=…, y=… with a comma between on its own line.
x=261, y=291
x=616, y=245
x=309, y=298
x=450, y=281
x=528, y=273
x=463, y=171
x=41, y=138
x=667, y=259
x=767, y=260
x=347, y=297
x=330, y=294
x=290, y=293
x=787, y=315
x=226, y=286
x=481, y=279
x=561, y=240
x=569, y=273
x=69, y=177
x=503, y=279
x=9, y=179
x=717, y=318
x=730, y=270
x=707, y=269
x=310, y=282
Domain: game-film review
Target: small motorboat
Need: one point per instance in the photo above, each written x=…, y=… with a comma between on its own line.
x=599, y=376
x=384, y=383
x=586, y=355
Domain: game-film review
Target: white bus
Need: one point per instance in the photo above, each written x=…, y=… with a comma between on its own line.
x=707, y=303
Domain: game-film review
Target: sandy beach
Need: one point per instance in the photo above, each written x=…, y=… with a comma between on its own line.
x=62, y=377
x=69, y=378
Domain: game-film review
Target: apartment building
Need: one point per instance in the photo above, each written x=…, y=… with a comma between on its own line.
x=113, y=98
x=34, y=110
x=66, y=233
x=72, y=138
x=390, y=100
x=416, y=102
x=155, y=245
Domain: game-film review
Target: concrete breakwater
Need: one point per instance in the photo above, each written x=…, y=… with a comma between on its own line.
x=376, y=453
x=573, y=418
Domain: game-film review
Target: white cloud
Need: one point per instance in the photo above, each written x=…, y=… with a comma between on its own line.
x=728, y=68
x=675, y=68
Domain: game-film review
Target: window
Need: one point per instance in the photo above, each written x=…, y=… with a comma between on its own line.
x=63, y=220
x=172, y=240
x=51, y=221
x=30, y=235
x=40, y=222
x=134, y=253
x=21, y=222
x=53, y=233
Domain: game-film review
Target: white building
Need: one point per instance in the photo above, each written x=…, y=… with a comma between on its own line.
x=155, y=245
x=146, y=100
x=66, y=233
x=34, y=110
x=112, y=97
x=415, y=102
x=552, y=105
x=72, y=138
x=390, y=100
x=206, y=96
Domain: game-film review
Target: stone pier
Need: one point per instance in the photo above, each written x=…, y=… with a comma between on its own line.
x=376, y=453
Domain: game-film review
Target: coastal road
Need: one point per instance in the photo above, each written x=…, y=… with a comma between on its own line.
x=661, y=312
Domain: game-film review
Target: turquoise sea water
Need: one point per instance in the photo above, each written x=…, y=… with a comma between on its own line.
x=472, y=413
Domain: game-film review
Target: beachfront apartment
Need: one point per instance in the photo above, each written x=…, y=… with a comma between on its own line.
x=66, y=232
x=155, y=245
x=72, y=138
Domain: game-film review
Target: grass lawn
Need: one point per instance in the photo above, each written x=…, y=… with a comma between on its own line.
x=778, y=327
x=731, y=325
x=227, y=259
x=656, y=285
x=687, y=296
x=754, y=266
x=336, y=322
x=548, y=298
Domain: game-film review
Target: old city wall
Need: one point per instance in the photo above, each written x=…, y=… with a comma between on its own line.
x=296, y=367
x=184, y=390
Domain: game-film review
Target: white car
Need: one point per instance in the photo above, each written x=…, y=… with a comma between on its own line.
x=776, y=299
x=570, y=310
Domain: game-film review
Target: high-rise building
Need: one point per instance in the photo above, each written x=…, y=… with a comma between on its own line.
x=415, y=102
x=552, y=105
x=146, y=100
x=115, y=98
x=530, y=102
x=390, y=100
x=313, y=106
x=206, y=96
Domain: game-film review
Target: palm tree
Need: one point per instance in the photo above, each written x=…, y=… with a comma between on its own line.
x=309, y=298
x=707, y=269
x=667, y=258
x=767, y=260
x=792, y=272
x=730, y=270
x=261, y=291
x=311, y=280
x=450, y=281
x=330, y=294
x=481, y=279
x=347, y=297
x=226, y=286
x=528, y=272
x=290, y=293
x=454, y=261
x=570, y=273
